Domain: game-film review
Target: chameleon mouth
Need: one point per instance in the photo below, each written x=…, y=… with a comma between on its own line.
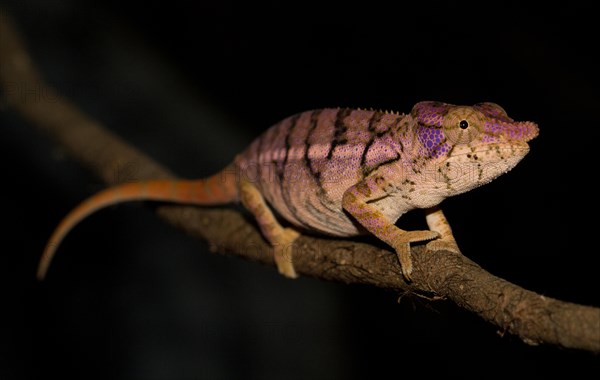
x=503, y=155
x=503, y=159
x=475, y=167
x=491, y=152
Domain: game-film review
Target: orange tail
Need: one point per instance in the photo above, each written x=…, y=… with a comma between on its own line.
x=221, y=188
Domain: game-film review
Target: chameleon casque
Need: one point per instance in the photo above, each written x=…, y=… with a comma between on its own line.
x=345, y=172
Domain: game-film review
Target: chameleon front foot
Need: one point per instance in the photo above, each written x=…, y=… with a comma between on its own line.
x=402, y=246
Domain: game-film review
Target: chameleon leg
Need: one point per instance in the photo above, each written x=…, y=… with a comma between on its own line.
x=438, y=222
x=355, y=202
x=280, y=238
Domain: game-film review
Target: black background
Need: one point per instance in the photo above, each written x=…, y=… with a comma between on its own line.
x=129, y=297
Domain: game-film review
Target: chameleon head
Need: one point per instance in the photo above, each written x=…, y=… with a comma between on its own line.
x=465, y=147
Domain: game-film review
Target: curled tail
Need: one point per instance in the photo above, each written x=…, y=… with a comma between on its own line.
x=220, y=188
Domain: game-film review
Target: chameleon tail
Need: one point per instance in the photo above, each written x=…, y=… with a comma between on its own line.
x=220, y=188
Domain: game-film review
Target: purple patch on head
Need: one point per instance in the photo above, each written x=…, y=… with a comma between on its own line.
x=497, y=129
x=432, y=141
x=493, y=129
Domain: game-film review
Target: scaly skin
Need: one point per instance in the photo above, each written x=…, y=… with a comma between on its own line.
x=345, y=172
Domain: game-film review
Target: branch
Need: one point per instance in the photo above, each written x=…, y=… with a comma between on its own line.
x=534, y=318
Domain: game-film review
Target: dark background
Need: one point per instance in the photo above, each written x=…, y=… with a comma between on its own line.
x=130, y=297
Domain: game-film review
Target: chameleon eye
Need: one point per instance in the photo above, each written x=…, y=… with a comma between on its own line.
x=462, y=124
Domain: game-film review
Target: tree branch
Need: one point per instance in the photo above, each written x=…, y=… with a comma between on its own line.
x=534, y=318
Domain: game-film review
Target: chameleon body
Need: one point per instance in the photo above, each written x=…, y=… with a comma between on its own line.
x=345, y=172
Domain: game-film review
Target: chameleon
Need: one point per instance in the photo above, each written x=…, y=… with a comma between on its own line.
x=345, y=172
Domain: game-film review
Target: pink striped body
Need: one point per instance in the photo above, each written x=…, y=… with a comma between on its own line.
x=304, y=164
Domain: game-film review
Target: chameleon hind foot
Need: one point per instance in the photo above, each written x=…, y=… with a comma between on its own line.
x=281, y=239
x=282, y=252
